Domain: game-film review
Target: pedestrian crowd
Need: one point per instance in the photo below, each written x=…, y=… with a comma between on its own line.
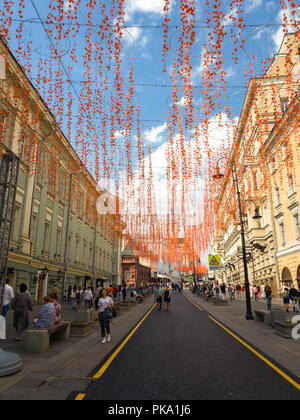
x=209, y=289
x=102, y=301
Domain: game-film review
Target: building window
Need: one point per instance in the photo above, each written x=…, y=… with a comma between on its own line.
x=297, y=226
x=2, y=126
x=69, y=246
x=22, y=149
x=47, y=237
x=290, y=184
x=284, y=104
x=277, y=196
x=58, y=242
x=91, y=257
x=84, y=254
x=33, y=228
x=16, y=225
x=282, y=233
x=61, y=191
x=77, y=249
x=255, y=181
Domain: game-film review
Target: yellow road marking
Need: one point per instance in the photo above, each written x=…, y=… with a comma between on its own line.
x=280, y=372
x=195, y=304
x=80, y=397
x=112, y=357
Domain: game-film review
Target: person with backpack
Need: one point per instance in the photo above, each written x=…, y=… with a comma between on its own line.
x=78, y=298
x=286, y=299
x=158, y=296
x=293, y=295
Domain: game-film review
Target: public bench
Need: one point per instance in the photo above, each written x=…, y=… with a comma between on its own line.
x=268, y=317
x=38, y=340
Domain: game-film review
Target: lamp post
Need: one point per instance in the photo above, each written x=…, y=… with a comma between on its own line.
x=218, y=175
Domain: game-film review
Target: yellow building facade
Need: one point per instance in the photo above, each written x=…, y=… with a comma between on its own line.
x=267, y=158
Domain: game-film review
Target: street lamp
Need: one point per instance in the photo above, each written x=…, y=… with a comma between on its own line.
x=219, y=175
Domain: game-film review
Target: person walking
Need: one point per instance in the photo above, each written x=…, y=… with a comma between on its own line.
x=124, y=291
x=55, y=291
x=21, y=304
x=286, y=299
x=223, y=290
x=73, y=297
x=268, y=293
x=255, y=292
x=78, y=298
x=167, y=297
x=115, y=291
x=105, y=304
x=69, y=293
x=158, y=296
x=293, y=295
x=7, y=298
x=88, y=297
x=217, y=290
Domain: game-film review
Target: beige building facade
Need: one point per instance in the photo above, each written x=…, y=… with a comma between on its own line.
x=266, y=154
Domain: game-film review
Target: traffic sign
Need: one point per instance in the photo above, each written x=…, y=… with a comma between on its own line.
x=214, y=261
x=191, y=278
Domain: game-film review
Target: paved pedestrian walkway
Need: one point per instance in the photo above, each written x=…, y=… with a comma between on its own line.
x=284, y=351
x=66, y=366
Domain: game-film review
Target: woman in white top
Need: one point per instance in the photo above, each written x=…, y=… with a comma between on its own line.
x=105, y=303
x=88, y=297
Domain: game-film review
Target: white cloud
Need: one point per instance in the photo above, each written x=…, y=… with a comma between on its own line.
x=135, y=37
x=144, y=6
x=230, y=17
x=252, y=5
x=154, y=135
x=291, y=20
x=183, y=101
x=229, y=73
x=69, y=5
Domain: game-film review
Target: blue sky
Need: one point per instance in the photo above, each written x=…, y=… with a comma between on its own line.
x=145, y=44
x=143, y=41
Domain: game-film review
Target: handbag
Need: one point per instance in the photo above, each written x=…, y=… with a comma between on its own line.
x=107, y=314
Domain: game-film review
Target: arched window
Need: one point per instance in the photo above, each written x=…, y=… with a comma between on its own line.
x=286, y=276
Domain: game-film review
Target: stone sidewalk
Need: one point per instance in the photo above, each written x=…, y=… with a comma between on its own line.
x=66, y=366
x=286, y=352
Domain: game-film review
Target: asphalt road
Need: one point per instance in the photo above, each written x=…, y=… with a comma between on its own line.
x=184, y=355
